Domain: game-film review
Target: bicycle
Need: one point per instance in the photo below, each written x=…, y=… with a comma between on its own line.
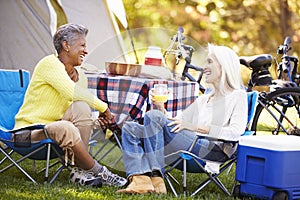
x=277, y=111
x=280, y=105
x=185, y=52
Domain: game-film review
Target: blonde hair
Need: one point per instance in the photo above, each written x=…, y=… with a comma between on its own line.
x=230, y=66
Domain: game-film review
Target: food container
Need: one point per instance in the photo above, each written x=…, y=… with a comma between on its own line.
x=126, y=69
x=153, y=56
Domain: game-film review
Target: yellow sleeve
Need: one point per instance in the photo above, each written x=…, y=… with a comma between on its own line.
x=54, y=73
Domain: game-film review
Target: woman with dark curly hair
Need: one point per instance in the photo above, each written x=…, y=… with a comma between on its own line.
x=58, y=97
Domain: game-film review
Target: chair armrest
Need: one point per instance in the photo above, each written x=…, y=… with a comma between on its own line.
x=215, y=139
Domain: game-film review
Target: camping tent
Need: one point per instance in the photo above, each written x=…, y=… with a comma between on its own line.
x=27, y=28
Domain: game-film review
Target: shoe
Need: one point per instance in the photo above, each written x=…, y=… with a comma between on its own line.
x=111, y=179
x=139, y=184
x=159, y=185
x=84, y=178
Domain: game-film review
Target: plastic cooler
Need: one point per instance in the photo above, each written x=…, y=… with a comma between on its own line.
x=268, y=167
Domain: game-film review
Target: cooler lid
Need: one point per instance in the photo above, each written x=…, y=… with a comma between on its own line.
x=272, y=142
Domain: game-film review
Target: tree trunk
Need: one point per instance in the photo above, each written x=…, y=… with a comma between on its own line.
x=285, y=19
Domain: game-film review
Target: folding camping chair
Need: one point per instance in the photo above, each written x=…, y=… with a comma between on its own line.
x=189, y=162
x=13, y=85
x=107, y=146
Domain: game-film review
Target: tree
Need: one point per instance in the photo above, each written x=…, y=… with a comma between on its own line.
x=249, y=26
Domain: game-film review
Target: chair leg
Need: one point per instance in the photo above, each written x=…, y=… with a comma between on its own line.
x=107, y=152
x=211, y=178
x=93, y=141
x=20, y=160
x=184, y=177
x=221, y=186
x=170, y=184
x=34, y=166
x=117, y=161
x=117, y=140
x=17, y=165
x=47, y=163
x=58, y=170
x=234, y=185
x=200, y=187
x=57, y=173
x=51, y=165
x=5, y=158
x=169, y=176
x=172, y=178
x=101, y=148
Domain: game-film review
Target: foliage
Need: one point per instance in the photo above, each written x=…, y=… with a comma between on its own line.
x=248, y=26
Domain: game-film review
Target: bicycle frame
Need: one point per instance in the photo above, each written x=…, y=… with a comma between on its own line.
x=282, y=115
x=290, y=71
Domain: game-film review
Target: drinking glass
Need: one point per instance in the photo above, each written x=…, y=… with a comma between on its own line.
x=160, y=93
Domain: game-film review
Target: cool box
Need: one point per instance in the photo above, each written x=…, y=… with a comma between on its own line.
x=268, y=167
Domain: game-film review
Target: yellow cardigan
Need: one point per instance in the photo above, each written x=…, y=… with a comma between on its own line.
x=51, y=92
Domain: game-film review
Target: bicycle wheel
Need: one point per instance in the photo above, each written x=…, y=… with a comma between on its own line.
x=278, y=112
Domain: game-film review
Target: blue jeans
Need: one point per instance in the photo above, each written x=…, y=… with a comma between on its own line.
x=145, y=146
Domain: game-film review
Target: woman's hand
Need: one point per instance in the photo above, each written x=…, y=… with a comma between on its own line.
x=157, y=105
x=181, y=125
x=105, y=119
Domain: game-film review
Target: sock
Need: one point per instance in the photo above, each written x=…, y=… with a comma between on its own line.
x=96, y=169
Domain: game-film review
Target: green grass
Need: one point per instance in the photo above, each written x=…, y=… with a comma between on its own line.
x=14, y=185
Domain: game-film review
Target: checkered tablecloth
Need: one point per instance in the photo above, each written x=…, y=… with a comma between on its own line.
x=127, y=97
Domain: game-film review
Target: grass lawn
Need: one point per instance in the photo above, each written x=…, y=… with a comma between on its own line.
x=15, y=185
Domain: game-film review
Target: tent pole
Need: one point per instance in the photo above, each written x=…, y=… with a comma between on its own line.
x=132, y=43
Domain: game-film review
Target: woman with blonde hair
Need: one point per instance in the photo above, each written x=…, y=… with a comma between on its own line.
x=222, y=113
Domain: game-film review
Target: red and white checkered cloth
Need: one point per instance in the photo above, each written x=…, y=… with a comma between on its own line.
x=127, y=97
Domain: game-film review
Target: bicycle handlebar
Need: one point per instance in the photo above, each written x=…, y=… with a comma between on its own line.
x=287, y=42
x=185, y=52
x=283, y=49
x=286, y=66
x=179, y=34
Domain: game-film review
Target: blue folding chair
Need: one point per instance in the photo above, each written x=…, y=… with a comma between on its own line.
x=13, y=85
x=189, y=162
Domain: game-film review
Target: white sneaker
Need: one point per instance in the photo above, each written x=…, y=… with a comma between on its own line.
x=84, y=178
x=111, y=179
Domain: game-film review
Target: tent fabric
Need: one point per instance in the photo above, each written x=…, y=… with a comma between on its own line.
x=26, y=36
x=102, y=42
x=24, y=33
x=116, y=6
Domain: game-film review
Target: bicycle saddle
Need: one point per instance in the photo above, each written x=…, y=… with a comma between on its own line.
x=257, y=61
